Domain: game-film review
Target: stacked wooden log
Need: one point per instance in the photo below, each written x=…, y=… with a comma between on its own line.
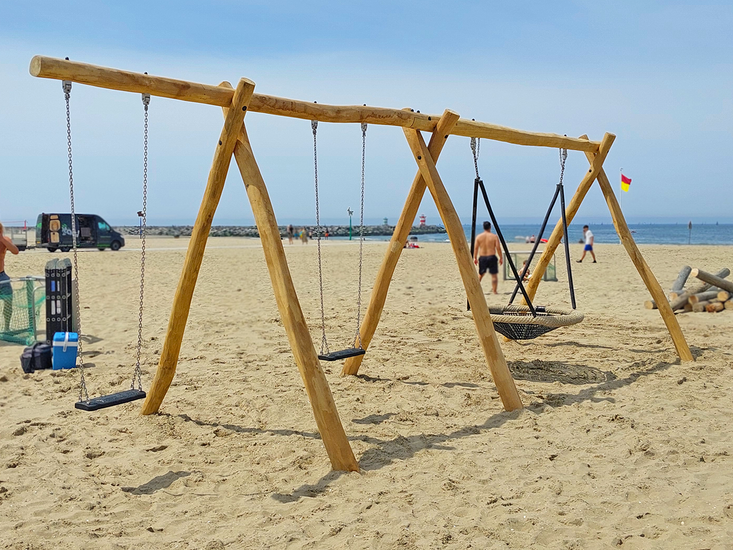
x=709, y=292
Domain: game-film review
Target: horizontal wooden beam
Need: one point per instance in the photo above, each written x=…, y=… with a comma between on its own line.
x=126, y=81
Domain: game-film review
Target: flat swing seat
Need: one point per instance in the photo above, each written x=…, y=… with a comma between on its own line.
x=342, y=354
x=111, y=400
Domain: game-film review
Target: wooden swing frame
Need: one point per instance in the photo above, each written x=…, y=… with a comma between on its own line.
x=235, y=141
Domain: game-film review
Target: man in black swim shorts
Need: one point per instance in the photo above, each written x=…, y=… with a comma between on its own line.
x=487, y=255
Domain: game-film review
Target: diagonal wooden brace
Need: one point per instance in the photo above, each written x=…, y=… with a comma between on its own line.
x=487, y=336
x=397, y=243
x=665, y=310
x=196, y=246
x=554, y=240
x=316, y=386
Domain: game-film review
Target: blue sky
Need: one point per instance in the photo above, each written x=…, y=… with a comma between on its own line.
x=657, y=74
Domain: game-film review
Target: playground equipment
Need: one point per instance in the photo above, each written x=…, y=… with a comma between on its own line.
x=525, y=322
x=136, y=391
x=234, y=140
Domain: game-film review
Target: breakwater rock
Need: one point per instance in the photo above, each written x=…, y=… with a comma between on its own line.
x=251, y=231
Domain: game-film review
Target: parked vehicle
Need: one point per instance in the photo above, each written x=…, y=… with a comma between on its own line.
x=21, y=235
x=53, y=231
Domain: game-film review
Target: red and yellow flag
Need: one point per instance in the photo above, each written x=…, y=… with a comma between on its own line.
x=625, y=183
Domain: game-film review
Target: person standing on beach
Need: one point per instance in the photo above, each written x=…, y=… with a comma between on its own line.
x=291, y=233
x=303, y=236
x=589, y=239
x=6, y=291
x=487, y=255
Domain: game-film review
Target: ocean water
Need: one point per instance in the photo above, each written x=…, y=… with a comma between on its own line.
x=711, y=234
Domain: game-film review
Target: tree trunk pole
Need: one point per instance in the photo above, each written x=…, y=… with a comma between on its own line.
x=494, y=356
x=655, y=289
x=196, y=246
x=316, y=386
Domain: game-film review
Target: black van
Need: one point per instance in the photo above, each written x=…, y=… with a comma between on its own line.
x=53, y=231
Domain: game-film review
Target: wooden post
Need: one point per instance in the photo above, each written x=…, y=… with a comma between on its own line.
x=683, y=298
x=665, y=310
x=396, y=244
x=316, y=386
x=679, y=285
x=186, y=284
x=713, y=280
x=494, y=356
x=572, y=208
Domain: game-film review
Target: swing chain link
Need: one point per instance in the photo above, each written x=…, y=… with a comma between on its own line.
x=357, y=338
x=476, y=150
x=324, y=341
x=563, y=158
x=137, y=376
x=83, y=393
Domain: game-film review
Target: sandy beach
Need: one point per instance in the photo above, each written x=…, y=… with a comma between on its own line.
x=619, y=444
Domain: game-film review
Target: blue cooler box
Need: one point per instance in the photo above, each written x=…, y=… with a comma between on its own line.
x=65, y=345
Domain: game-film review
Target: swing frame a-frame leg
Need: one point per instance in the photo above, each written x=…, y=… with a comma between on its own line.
x=487, y=336
x=234, y=140
x=596, y=172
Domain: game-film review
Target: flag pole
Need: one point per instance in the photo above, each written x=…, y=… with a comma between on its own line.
x=621, y=198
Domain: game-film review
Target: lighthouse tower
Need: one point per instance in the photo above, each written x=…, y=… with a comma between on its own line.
x=423, y=219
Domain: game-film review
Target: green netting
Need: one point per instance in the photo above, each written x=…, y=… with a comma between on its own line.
x=21, y=301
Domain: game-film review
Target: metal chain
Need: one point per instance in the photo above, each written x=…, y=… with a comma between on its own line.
x=137, y=376
x=476, y=149
x=357, y=338
x=324, y=341
x=563, y=158
x=83, y=393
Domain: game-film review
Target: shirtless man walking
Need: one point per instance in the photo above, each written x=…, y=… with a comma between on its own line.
x=6, y=292
x=487, y=255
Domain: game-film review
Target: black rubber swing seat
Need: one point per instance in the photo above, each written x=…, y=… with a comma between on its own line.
x=342, y=354
x=111, y=400
x=517, y=322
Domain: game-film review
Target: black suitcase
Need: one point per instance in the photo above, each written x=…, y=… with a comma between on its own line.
x=36, y=357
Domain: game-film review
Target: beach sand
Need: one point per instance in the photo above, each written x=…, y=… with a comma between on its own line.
x=619, y=443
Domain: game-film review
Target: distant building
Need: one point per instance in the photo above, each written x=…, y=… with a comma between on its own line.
x=423, y=220
x=386, y=221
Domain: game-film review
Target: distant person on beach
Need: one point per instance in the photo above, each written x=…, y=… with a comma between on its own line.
x=487, y=255
x=588, y=236
x=526, y=273
x=6, y=291
x=303, y=236
x=291, y=233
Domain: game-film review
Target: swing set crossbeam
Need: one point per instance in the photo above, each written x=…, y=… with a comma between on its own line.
x=127, y=81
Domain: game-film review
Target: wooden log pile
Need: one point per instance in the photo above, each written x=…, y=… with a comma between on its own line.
x=706, y=292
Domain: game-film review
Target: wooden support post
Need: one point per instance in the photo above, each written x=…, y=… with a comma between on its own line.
x=316, y=386
x=494, y=356
x=711, y=279
x=665, y=310
x=557, y=234
x=186, y=284
x=396, y=244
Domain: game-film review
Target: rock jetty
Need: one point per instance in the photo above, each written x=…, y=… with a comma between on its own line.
x=251, y=231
